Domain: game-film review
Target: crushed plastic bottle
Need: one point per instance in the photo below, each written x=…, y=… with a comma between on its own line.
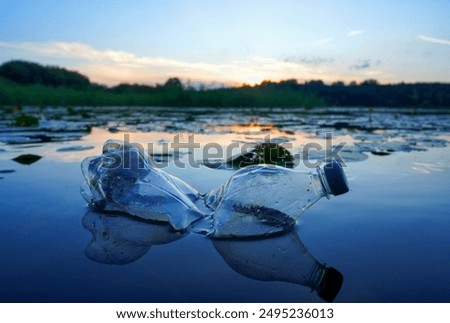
x=264, y=199
x=256, y=200
x=125, y=179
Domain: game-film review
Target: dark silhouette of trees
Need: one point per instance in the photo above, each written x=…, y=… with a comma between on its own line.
x=371, y=93
x=31, y=73
x=30, y=83
x=173, y=84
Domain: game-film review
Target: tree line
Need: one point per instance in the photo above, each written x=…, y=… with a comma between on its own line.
x=30, y=83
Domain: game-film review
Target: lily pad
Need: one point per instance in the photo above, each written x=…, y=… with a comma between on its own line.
x=262, y=153
x=27, y=159
x=380, y=152
x=7, y=171
x=74, y=148
x=26, y=121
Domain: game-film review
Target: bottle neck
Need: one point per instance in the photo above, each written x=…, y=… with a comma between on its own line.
x=323, y=182
x=315, y=278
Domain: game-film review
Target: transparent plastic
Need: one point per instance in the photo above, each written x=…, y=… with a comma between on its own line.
x=256, y=200
x=124, y=179
x=264, y=199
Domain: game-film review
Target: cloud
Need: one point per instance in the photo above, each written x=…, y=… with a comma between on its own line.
x=353, y=33
x=434, y=40
x=364, y=64
x=324, y=41
x=114, y=66
x=315, y=61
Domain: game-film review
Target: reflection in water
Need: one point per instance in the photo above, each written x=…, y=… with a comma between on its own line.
x=251, y=127
x=380, y=131
x=428, y=168
x=120, y=239
x=280, y=258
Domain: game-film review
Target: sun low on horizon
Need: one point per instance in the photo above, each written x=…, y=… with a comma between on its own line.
x=233, y=42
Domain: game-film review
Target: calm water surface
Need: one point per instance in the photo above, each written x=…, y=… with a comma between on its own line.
x=388, y=237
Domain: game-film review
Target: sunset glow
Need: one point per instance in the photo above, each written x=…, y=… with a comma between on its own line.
x=234, y=42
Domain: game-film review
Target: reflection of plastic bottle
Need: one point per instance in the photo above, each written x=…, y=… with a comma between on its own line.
x=280, y=258
x=120, y=239
x=264, y=199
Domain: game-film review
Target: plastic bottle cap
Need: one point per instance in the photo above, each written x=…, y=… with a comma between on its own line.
x=336, y=178
x=331, y=284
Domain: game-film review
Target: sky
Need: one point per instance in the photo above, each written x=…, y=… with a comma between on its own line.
x=232, y=42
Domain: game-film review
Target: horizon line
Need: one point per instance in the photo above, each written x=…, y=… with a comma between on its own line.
x=217, y=84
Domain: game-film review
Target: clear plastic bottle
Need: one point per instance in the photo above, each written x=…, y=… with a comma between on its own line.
x=125, y=179
x=264, y=199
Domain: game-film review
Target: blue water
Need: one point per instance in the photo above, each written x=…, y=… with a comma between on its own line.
x=388, y=236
